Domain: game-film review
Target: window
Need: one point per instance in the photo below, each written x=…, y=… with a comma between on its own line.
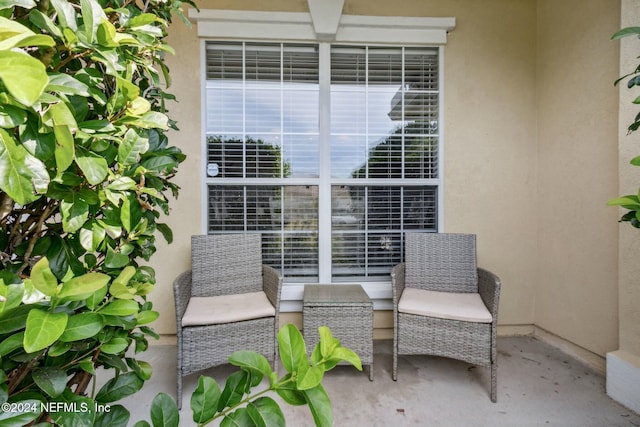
x=276, y=152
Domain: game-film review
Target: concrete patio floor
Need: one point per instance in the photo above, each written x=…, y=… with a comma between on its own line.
x=538, y=385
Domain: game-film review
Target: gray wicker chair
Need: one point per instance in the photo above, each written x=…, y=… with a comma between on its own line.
x=444, y=305
x=228, y=301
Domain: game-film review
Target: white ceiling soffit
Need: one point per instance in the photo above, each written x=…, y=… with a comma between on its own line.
x=325, y=22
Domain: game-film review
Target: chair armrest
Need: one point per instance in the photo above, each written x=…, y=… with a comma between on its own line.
x=272, y=285
x=182, y=294
x=397, y=282
x=489, y=288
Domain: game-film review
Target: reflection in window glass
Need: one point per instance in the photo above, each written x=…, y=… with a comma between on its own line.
x=368, y=224
x=384, y=103
x=286, y=216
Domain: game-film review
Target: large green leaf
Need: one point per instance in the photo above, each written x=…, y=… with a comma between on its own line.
x=12, y=295
x=105, y=34
x=150, y=120
x=94, y=167
x=66, y=14
x=130, y=212
x=125, y=276
x=147, y=316
x=64, y=83
x=51, y=380
x=59, y=114
x=164, y=411
x=629, y=31
x=253, y=362
x=82, y=287
x=81, y=326
x=309, y=377
x=122, y=183
x=14, y=34
x=24, y=76
x=11, y=116
x=320, y=406
x=142, y=19
x=74, y=215
x=140, y=367
x=347, y=355
x=160, y=163
x=26, y=4
x=204, y=400
x=13, y=342
x=43, y=278
x=234, y=389
x=65, y=148
x=119, y=387
x=293, y=352
x=166, y=232
x=43, y=329
x=238, y=418
x=115, y=346
x=92, y=14
x=22, y=176
x=265, y=412
x=14, y=319
x=131, y=147
x=115, y=260
x=91, y=235
x=121, y=307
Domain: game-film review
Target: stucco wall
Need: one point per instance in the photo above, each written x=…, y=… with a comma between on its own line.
x=493, y=182
x=576, y=294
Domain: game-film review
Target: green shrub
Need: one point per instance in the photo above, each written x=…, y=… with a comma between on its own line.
x=85, y=176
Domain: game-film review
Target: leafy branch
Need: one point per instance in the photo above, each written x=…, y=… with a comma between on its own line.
x=237, y=406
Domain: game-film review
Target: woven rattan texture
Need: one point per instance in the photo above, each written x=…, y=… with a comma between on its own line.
x=352, y=325
x=226, y=264
x=437, y=262
x=441, y=262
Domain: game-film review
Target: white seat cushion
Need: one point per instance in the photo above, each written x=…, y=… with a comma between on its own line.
x=227, y=308
x=467, y=307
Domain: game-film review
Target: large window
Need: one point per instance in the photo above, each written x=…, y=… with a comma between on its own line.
x=330, y=156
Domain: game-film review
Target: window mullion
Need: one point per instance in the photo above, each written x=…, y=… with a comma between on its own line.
x=324, y=190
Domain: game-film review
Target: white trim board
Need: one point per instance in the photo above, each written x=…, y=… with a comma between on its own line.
x=623, y=378
x=234, y=24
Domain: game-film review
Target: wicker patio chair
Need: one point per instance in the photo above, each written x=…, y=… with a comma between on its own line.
x=444, y=305
x=228, y=301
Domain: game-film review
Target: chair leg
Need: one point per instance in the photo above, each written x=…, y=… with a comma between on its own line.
x=179, y=370
x=494, y=382
x=179, y=390
x=394, y=374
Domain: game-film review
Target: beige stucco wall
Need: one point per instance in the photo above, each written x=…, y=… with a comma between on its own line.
x=576, y=293
x=493, y=181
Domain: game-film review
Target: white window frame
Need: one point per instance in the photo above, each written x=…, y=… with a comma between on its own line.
x=323, y=25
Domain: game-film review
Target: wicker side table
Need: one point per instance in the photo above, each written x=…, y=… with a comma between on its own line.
x=347, y=311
